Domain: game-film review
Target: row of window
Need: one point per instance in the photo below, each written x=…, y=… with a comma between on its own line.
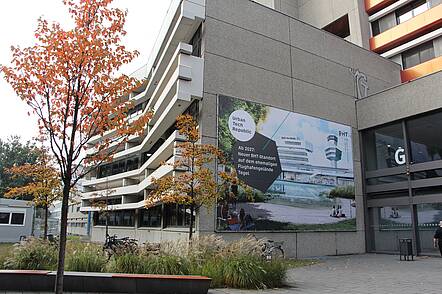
x=385, y=146
x=401, y=15
x=133, y=163
x=77, y=225
x=418, y=55
x=12, y=218
x=171, y=215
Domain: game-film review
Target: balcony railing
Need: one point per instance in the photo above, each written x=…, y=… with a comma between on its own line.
x=160, y=155
x=132, y=189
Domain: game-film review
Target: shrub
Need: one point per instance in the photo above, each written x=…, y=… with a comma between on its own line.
x=214, y=270
x=275, y=273
x=198, y=250
x=127, y=263
x=34, y=254
x=244, y=272
x=252, y=272
x=85, y=257
x=166, y=265
x=140, y=264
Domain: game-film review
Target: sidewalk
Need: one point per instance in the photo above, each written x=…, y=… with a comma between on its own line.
x=360, y=274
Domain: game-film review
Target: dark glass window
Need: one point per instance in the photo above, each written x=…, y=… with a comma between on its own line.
x=193, y=110
x=17, y=218
x=151, y=217
x=387, y=180
x=384, y=147
x=118, y=167
x=427, y=174
x=383, y=24
x=425, y=139
x=196, y=43
x=388, y=194
x=418, y=55
x=176, y=215
x=4, y=218
x=428, y=191
x=120, y=218
x=375, y=29
x=339, y=27
x=411, y=10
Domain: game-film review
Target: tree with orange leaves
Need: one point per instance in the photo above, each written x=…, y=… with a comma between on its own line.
x=69, y=80
x=43, y=183
x=195, y=182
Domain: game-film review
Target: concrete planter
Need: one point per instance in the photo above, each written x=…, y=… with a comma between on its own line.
x=37, y=281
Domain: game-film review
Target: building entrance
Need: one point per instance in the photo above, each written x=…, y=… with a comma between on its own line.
x=403, y=183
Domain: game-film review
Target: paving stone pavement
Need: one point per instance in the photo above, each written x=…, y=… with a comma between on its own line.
x=360, y=274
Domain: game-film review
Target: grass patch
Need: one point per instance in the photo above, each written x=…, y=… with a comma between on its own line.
x=5, y=251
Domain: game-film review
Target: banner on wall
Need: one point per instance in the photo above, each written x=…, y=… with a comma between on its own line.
x=300, y=168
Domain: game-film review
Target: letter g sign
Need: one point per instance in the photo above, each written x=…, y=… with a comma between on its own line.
x=399, y=156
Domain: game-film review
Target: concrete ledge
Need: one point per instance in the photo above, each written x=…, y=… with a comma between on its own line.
x=22, y=281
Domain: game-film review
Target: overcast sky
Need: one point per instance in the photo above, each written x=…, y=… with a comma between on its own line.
x=17, y=25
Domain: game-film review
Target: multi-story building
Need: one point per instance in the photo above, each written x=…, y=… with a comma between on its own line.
x=299, y=70
x=409, y=32
x=79, y=223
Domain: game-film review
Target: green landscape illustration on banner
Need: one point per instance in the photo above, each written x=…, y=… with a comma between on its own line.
x=300, y=168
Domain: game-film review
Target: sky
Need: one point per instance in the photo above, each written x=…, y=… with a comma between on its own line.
x=308, y=129
x=17, y=25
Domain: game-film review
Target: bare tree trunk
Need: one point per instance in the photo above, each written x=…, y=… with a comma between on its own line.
x=192, y=209
x=63, y=230
x=45, y=233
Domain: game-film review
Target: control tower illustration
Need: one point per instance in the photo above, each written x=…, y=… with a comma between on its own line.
x=332, y=152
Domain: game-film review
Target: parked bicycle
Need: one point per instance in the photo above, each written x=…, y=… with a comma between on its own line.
x=272, y=250
x=115, y=246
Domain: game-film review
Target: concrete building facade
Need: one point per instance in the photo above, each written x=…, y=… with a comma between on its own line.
x=263, y=56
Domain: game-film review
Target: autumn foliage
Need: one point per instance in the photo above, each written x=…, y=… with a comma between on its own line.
x=194, y=182
x=43, y=183
x=70, y=81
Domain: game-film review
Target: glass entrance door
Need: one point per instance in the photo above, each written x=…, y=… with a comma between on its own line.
x=387, y=226
x=428, y=218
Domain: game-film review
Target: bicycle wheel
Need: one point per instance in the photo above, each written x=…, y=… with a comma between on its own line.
x=276, y=253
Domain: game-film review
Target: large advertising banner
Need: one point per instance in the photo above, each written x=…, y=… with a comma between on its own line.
x=300, y=168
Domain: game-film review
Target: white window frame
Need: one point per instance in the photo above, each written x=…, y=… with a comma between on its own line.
x=11, y=211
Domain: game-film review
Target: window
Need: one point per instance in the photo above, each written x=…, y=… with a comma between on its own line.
x=411, y=10
x=418, y=55
x=383, y=24
x=150, y=217
x=4, y=218
x=118, y=167
x=193, y=110
x=384, y=147
x=121, y=218
x=17, y=218
x=339, y=27
x=177, y=215
x=425, y=144
x=12, y=218
x=196, y=43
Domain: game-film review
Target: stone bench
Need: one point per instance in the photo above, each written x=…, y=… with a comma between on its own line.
x=39, y=281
